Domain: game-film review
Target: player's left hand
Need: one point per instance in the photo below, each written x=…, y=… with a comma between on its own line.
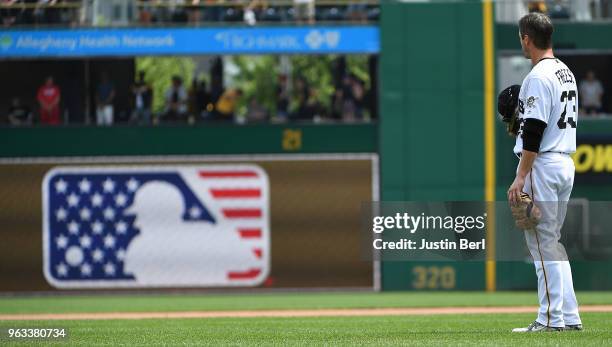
x=515, y=190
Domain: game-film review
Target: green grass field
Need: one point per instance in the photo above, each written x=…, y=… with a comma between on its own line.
x=472, y=329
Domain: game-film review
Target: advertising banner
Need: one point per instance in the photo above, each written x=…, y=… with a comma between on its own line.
x=593, y=159
x=142, y=223
x=188, y=41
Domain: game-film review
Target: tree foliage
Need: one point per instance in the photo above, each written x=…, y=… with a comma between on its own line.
x=159, y=72
x=257, y=76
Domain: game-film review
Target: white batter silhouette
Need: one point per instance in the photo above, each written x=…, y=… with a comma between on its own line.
x=169, y=251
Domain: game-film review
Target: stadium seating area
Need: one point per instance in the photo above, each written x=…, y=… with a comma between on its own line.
x=193, y=12
x=509, y=11
x=347, y=98
x=251, y=12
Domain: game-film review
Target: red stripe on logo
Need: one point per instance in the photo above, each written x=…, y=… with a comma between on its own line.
x=236, y=193
x=250, y=233
x=257, y=252
x=245, y=275
x=242, y=213
x=227, y=174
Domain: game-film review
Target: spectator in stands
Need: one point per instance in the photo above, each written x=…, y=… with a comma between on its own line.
x=336, y=104
x=349, y=106
x=28, y=13
x=213, y=12
x=559, y=10
x=192, y=106
x=591, y=92
x=301, y=91
x=537, y=6
x=142, y=94
x=201, y=100
x=304, y=11
x=49, y=97
x=178, y=13
x=358, y=92
x=582, y=9
x=249, y=16
x=231, y=12
x=11, y=11
x=282, y=98
x=148, y=12
x=176, y=101
x=256, y=112
x=194, y=13
x=19, y=114
x=253, y=10
x=46, y=13
x=227, y=104
x=314, y=108
x=70, y=14
x=105, y=97
x=357, y=11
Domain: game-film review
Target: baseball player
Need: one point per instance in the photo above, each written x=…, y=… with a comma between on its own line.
x=546, y=136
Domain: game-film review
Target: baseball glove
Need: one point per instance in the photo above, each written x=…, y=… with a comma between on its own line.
x=526, y=214
x=507, y=106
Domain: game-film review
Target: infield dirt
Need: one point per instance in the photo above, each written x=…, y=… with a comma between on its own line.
x=289, y=313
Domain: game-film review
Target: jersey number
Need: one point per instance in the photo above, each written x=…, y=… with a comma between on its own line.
x=566, y=97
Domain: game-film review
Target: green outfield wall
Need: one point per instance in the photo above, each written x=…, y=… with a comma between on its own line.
x=433, y=139
x=431, y=131
x=187, y=140
x=314, y=203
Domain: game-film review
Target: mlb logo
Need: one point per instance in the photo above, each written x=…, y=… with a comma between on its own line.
x=156, y=226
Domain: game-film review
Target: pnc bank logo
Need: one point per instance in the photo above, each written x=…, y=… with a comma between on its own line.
x=316, y=39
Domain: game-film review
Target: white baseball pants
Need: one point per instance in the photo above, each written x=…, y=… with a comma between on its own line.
x=550, y=185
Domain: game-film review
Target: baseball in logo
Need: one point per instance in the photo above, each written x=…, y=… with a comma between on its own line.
x=156, y=226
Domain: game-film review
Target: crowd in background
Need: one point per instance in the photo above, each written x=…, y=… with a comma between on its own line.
x=189, y=104
x=196, y=12
x=252, y=11
x=590, y=95
x=510, y=11
x=197, y=102
x=351, y=101
x=39, y=12
x=148, y=12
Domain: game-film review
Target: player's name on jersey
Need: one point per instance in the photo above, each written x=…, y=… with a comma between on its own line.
x=565, y=76
x=407, y=244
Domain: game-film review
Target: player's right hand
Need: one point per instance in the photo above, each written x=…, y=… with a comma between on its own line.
x=515, y=190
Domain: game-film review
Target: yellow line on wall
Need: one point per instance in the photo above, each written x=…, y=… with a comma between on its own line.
x=489, y=139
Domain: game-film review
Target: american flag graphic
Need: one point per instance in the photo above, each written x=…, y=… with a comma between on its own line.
x=166, y=226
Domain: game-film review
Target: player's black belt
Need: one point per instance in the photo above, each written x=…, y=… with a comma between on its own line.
x=518, y=155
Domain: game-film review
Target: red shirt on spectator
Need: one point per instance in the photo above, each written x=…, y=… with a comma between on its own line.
x=49, y=98
x=48, y=95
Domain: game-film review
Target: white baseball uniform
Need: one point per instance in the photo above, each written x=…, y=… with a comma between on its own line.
x=549, y=93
